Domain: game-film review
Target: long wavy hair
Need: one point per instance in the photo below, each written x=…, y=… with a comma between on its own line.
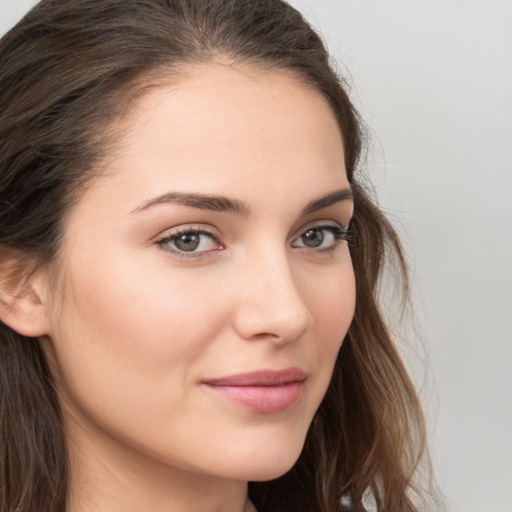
x=71, y=68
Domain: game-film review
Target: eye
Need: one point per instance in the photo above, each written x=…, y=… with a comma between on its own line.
x=190, y=241
x=321, y=238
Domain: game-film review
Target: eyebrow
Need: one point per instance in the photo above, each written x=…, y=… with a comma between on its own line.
x=224, y=204
x=344, y=194
x=199, y=201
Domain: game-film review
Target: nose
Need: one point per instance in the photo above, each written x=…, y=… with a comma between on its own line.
x=269, y=304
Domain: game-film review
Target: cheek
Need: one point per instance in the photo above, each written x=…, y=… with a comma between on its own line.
x=130, y=334
x=331, y=298
x=146, y=309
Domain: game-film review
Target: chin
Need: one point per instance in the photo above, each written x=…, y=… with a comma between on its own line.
x=266, y=474
x=268, y=463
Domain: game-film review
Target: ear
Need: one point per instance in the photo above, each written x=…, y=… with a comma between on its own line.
x=21, y=304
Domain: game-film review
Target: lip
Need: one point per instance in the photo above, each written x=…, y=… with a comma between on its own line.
x=263, y=391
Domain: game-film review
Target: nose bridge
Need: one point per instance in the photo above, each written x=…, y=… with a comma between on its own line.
x=270, y=303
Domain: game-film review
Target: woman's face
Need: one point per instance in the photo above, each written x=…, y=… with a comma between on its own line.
x=206, y=281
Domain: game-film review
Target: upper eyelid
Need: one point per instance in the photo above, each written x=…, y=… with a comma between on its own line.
x=186, y=228
x=215, y=233
x=210, y=230
x=323, y=222
x=319, y=223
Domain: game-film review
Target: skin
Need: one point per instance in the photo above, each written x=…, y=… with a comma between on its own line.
x=138, y=327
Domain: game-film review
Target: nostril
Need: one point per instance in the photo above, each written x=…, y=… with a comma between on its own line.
x=264, y=335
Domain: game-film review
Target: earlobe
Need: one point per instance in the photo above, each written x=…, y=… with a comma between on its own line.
x=21, y=305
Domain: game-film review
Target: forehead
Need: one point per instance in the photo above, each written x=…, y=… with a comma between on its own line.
x=228, y=130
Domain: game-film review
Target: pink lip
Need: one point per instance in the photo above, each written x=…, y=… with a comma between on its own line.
x=264, y=391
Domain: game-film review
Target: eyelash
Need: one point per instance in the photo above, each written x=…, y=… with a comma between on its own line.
x=339, y=234
x=163, y=242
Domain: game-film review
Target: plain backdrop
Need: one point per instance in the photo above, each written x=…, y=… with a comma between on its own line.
x=433, y=79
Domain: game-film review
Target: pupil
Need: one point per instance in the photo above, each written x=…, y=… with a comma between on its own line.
x=313, y=238
x=187, y=242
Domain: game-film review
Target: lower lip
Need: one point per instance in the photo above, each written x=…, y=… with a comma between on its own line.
x=264, y=399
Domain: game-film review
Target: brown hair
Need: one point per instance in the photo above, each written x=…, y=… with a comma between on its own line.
x=66, y=71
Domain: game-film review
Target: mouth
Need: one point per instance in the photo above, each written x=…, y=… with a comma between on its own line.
x=263, y=391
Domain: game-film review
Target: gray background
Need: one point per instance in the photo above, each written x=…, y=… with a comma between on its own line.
x=434, y=81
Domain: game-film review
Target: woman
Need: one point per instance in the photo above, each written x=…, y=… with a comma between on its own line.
x=189, y=269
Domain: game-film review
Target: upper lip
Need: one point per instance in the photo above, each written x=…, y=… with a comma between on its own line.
x=260, y=378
